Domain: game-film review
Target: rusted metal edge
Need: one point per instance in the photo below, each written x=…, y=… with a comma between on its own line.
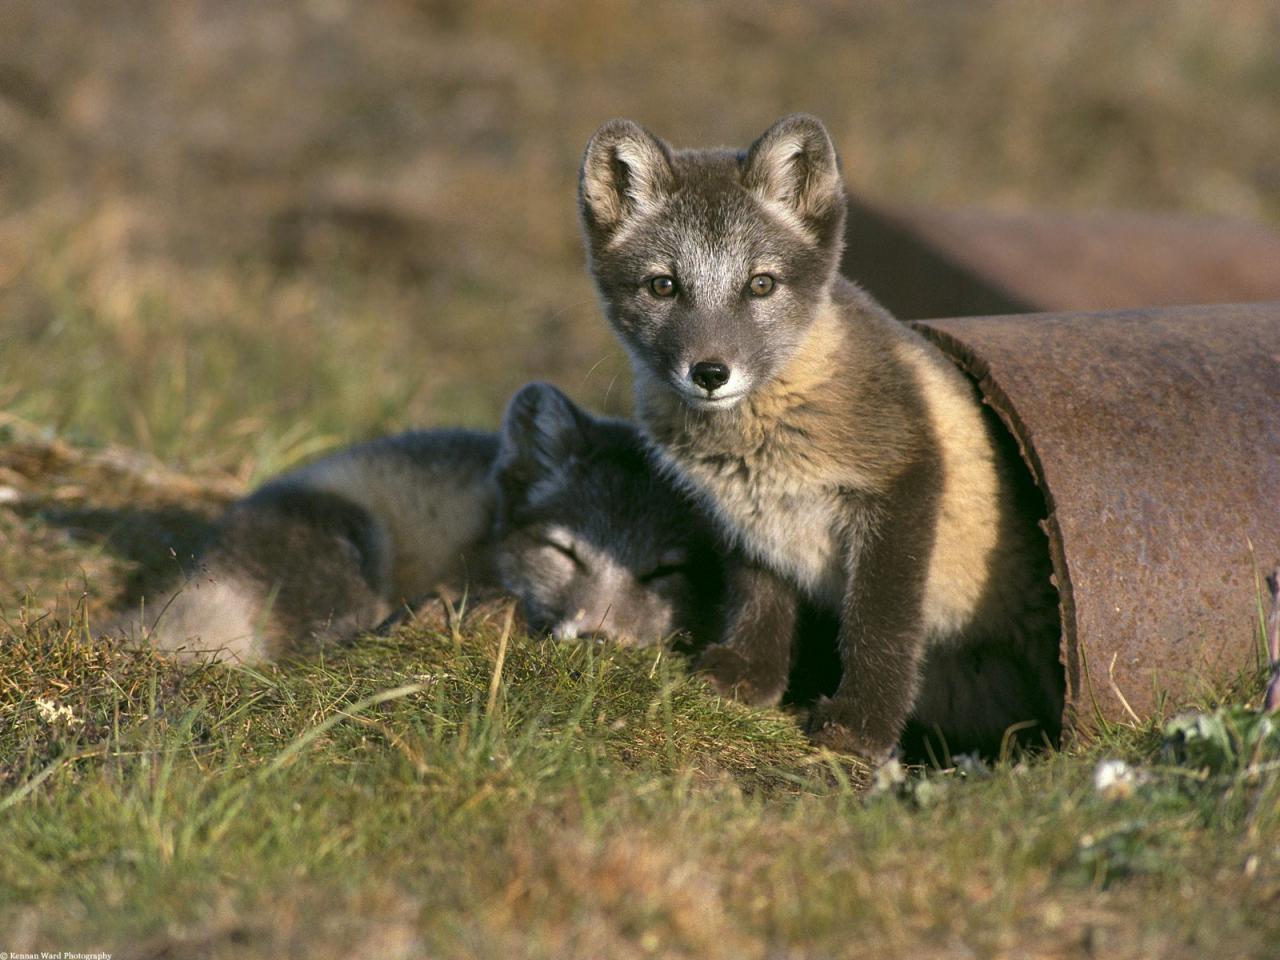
x=1154, y=437
x=995, y=397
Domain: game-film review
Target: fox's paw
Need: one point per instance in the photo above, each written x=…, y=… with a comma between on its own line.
x=826, y=730
x=735, y=677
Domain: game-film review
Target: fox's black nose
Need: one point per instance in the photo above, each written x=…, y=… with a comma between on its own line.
x=710, y=375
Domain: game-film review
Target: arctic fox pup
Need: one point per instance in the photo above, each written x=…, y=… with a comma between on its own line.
x=848, y=458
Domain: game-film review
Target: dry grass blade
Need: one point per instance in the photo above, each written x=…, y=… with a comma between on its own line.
x=496, y=680
x=1271, y=701
x=1115, y=688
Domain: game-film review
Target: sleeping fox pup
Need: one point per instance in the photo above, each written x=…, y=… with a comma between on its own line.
x=561, y=508
x=847, y=458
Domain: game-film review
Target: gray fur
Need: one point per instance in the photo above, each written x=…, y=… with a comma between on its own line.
x=331, y=549
x=844, y=455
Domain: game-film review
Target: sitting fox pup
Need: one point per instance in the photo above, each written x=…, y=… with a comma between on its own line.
x=846, y=456
x=561, y=508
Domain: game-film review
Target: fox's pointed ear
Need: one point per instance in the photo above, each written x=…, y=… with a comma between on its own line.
x=625, y=172
x=541, y=430
x=793, y=167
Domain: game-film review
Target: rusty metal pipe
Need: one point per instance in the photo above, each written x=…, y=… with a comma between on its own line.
x=1155, y=437
x=925, y=262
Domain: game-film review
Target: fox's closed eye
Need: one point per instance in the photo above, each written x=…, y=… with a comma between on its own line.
x=663, y=571
x=563, y=548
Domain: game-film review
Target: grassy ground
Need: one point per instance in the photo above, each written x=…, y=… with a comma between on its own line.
x=394, y=801
x=234, y=234
x=426, y=794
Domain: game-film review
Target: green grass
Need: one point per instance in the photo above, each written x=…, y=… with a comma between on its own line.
x=606, y=805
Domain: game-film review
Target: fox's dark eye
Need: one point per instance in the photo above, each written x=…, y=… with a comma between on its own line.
x=761, y=285
x=663, y=286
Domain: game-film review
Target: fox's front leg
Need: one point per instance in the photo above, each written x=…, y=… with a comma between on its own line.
x=882, y=636
x=882, y=663
x=753, y=661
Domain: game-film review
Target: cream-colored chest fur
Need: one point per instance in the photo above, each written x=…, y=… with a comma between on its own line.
x=771, y=503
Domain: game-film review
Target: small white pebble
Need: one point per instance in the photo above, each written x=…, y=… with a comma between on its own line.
x=1114, y=779
x=970, y=765
x=888, y=775
x=10, y=494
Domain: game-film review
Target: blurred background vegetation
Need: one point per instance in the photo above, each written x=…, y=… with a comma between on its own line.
x=233, y=233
